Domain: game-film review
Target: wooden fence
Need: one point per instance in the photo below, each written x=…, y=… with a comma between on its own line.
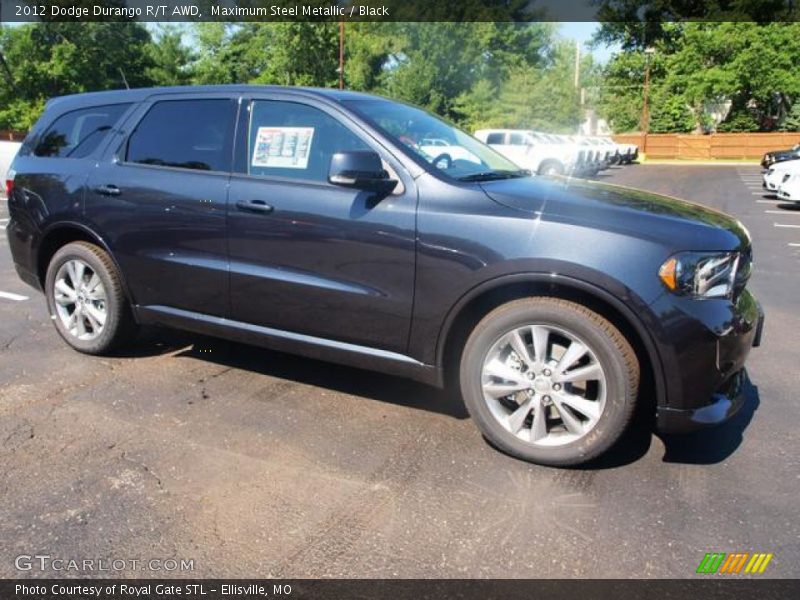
x=715, y=145
x=12, y=136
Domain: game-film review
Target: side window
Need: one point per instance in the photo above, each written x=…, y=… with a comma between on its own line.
x=495, y=138
x=188, y=134
x=517, y=139
x=78, y=133
x=286, y=139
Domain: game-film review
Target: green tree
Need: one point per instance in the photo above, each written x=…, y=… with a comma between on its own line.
x=792, y=122
x=749, y=63
x=229, y=53
x=300, y=53
x=52, y=59
x=171, y=59
x=436, y=63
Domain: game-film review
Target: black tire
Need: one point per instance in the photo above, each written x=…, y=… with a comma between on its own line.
x=611, y=349
x=551, y=167
x=119, y=326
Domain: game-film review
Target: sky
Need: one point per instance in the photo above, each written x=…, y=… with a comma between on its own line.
x=583, y=32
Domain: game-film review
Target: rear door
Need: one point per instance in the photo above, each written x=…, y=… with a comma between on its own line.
x=308, y=256
x=160, y=197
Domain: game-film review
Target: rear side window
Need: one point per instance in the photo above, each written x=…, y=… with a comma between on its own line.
x=187, y=134
x=517, y=139
x=495, y=138
x=78, y=133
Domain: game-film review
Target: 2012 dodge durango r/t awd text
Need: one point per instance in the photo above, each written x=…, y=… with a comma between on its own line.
x=355, y=229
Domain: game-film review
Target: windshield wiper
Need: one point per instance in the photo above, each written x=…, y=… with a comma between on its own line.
x=493, y=175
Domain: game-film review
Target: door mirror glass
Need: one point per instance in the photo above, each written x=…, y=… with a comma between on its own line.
x=360, y=170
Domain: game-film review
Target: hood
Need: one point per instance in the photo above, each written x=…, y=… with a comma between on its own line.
x=781, y=155
x=637, y=213
x=786, y=165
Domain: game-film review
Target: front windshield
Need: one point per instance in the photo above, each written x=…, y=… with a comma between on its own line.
x=443, y=146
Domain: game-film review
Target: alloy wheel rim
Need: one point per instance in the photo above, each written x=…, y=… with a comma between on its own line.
x=544, y=385
x=80, y=300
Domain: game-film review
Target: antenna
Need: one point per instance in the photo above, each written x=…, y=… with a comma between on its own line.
x=125, y=81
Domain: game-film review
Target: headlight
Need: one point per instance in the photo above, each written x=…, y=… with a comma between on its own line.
x=700, y=274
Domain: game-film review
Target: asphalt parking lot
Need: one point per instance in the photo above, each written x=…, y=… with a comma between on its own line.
x=254, y=463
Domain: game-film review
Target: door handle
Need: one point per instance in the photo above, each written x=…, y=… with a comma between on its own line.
x=258, y=206
x=107, y=190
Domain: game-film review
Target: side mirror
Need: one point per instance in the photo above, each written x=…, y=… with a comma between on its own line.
x=361, y=170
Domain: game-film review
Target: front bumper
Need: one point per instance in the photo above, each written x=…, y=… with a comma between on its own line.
x=783, y=194
x=724, y=405
x=708, y=377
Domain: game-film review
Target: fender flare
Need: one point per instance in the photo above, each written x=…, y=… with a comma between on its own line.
x=97, y=238
x=592, y=289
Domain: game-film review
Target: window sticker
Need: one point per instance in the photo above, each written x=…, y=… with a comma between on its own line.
x=283, y=147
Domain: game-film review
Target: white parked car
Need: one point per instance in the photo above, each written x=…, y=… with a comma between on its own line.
x=790, y=186
x=596, y=154
x=584, y=158
x=627, y=152
x=530, y=150
x=773, y=177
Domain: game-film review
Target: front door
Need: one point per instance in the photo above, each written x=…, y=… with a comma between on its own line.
x=160, y=197
x=307, y=256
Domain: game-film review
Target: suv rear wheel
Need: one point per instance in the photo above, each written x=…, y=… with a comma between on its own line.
x=86, y=300
x=549, y=381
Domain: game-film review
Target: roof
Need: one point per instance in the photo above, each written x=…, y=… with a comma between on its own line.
x=138, y=94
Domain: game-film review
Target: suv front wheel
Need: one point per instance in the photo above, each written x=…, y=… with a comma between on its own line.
x=549, y=381
x=86, y=300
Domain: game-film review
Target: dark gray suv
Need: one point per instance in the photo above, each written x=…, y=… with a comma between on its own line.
x=355, y=229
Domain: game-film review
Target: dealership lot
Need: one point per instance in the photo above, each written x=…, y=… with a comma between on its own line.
x=248, y=461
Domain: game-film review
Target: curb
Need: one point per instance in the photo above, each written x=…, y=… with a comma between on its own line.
x=702, y=163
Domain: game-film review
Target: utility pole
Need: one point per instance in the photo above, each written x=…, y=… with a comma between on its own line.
x=645, y=124
x=577, y=64
x=341, y=55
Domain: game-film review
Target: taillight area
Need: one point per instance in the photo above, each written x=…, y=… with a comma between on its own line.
x=10, y=182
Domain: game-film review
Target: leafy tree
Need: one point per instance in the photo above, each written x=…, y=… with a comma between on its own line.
x=739, y=119
x=369, y=49
x=637, y=24
x=705, y=63
x=792, y=122
x=621, y=90
x=300, y=53
x=436, y=63
x=51, y=59
x=228, y=52
x=171, y=59
x=478, y=107
x=670, y=114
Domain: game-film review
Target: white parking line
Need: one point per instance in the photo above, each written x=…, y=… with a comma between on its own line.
x=793, y=213
x=14, y=297
x=784, y=225
x=769, y=202
x=793, y=245
x=758, y=193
